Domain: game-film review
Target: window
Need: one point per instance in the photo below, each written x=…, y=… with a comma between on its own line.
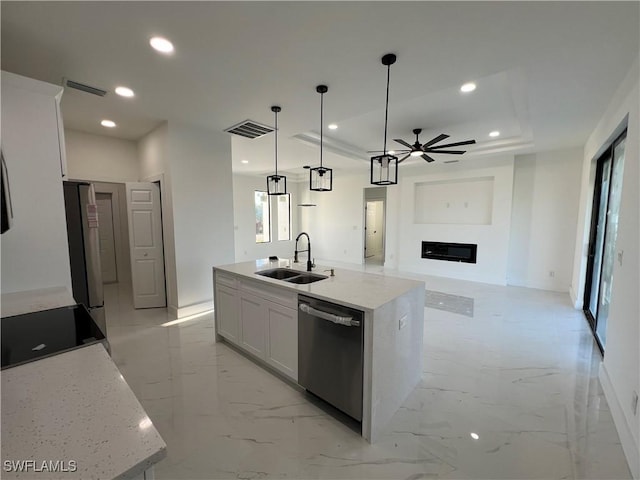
x=284, y=216
x=274, y=210
x=263, y=217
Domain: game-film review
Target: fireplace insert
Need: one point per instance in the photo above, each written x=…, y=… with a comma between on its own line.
x=451, y=252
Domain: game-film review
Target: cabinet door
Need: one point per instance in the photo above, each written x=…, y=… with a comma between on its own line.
x=282, y=339
x=252, y=324
x=226, y=308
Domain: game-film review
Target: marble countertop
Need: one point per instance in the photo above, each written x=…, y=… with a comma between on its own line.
x=34, y=300
x=360, y=290
x=76, y=407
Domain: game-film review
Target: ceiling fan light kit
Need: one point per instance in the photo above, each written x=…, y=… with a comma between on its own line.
x=276, y=184
x=384, y=168
x=321, y=178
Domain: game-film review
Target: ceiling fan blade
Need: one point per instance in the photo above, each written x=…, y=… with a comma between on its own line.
x=382, y=151
x=402, y=142
x=457, y=144
x=439, y=138
x=452, y=152
x=404, y=158
x=427, y=158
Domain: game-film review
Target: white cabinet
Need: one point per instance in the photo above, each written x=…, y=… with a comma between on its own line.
x=282, y=338
x=35, y=251
x=226, y=308
x=261, y=319
x=252, y=324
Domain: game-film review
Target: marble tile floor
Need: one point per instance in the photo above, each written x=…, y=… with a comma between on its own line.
x=521, y=375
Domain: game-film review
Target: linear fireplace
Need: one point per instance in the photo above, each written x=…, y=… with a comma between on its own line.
x=451, y=252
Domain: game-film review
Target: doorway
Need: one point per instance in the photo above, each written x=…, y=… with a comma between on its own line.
x=374, y=225
x=106, y=234
x=602, y=241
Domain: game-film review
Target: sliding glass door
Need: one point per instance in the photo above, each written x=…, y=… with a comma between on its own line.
x=604, y=229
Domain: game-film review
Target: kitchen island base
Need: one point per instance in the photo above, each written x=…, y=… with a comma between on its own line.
x=259, y=315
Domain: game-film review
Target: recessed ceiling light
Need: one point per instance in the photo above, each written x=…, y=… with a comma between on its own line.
x=495, y=133
x=475, y=436
x=162, y=45
x=332, y=126
x=468, y=87
x=108, y=123
x=244, y=161
x=124, y=92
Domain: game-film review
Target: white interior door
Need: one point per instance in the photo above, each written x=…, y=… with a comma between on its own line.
x=145, y=244
x=107, y=238
x=378, y=227
x=369, y=227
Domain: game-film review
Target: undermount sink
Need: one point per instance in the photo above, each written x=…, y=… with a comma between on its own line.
x=279, y=273
x=292, y=276
x=306, y=278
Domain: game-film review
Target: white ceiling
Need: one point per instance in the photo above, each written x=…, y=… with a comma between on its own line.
x=545, y=70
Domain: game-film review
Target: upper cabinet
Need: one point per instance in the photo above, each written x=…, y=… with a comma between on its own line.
x=35, y=251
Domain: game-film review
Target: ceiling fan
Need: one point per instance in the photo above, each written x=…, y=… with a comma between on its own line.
x=421, y=150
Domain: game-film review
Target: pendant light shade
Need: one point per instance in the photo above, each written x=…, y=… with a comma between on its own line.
x=321, y=178
x=384, y=168
x=276, y=184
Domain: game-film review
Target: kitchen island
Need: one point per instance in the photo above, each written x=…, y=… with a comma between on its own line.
x=259, y=315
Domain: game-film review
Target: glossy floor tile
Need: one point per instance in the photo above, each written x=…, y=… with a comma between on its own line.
x=510, y=392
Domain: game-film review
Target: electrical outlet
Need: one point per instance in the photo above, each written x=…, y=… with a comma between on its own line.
x=634, y=403
x=402, y=323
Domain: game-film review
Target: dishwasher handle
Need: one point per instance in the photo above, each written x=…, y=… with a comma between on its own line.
x=337, y=319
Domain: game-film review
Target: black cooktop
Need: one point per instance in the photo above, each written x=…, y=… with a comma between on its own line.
x=32, y=336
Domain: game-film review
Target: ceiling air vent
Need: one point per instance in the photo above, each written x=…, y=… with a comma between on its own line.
x=84, y=88
x=249, y=129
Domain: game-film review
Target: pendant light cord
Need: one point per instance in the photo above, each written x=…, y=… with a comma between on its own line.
x=386, y=111
x=321, y=124
x=276, y=113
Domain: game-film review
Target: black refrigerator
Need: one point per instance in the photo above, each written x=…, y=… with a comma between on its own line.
x=84, y=249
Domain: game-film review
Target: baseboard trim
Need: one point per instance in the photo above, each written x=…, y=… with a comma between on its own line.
x=172, y=310
x=629, y=445
x=194, y=309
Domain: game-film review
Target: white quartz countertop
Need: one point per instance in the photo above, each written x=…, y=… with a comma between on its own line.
x=34, y=300
x=76, y=406
x=361, y=290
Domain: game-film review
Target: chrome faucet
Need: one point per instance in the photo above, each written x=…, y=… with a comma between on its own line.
x=310, y=264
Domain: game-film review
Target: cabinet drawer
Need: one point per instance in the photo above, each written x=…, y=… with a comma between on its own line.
x=277, y=295
x=226, y=279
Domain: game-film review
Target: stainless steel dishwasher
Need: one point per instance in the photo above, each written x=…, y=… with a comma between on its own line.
x=330, y=353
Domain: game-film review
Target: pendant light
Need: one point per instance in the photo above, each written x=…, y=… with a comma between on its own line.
x=384, y=168
x=276, y=184
x=321, y=178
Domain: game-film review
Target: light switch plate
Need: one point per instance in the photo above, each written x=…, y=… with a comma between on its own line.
x=402, y=323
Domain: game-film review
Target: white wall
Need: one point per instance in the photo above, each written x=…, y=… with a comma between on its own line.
x=202, y=195
x=492, y=240
x=336, y=224
x=546, y=194
x=99, y=158
x=620, y=375
x=35, y=251
x=246, y=247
